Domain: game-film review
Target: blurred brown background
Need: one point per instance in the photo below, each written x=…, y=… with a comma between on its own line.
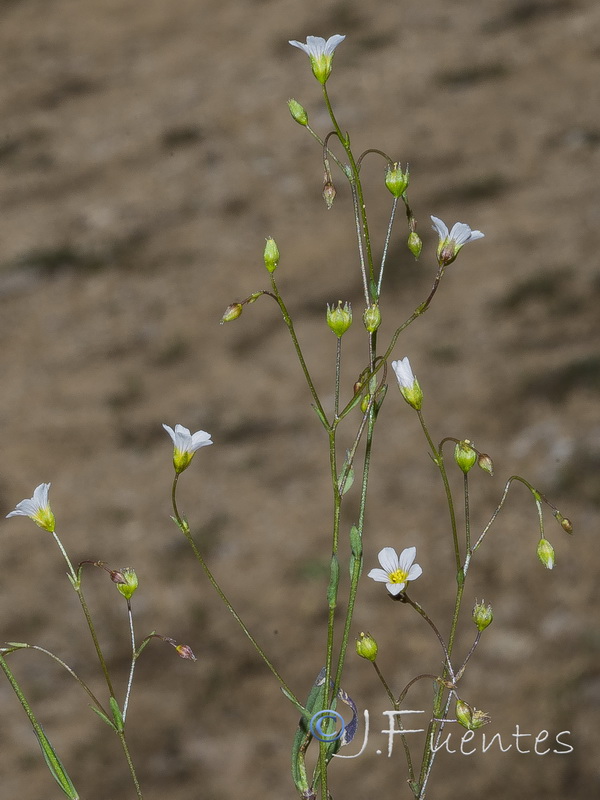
x=146, y=150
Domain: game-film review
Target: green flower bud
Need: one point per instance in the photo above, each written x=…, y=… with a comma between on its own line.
x=482, y=615
x=464, y=455
x=232, y=312
x=339, y=318
x=545, y=553
x=126, y=581
x=372, y=318
x=470, y=718
x=396, y=179
x=271, y=255
x=297, y=111
x=415, y=245
x=366, y=647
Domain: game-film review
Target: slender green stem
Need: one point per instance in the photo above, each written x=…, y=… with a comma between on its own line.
x=290, y=325
x=345, y=141
x=185, y=529
x=460, y=672
x=92, y=630
x=419, y=609
x=438, y=459
x=386, y=245
x=138, y=791
x=356, y=572
x=385, y=685
x=65, y=556
x=467, y=513
x=83, y=684
x=133, y=660
x=338, y=365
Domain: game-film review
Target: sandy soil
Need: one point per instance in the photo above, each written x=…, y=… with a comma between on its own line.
x=146, y=150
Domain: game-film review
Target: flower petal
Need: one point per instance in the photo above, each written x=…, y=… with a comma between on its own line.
x=332, y=43
x=414, y=572
x=395, y=588
x=388, y=558
x=440, y=227
x=379, y=575
x=407, y=556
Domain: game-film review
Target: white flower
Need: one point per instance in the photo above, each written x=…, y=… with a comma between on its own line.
x=185, y=445
x=409, y=385
x=450, y=243
x=397, y=570
x=320, y=53
x=37, y=508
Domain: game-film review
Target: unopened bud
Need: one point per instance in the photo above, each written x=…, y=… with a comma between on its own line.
x=565, y=523
x=415, y=245
x=469, y=717
x=232, y=312
x=396, y=179
x=126, y=581
x=482, y=615
x=366, y=647
x=464, y=455
x=298, y=112
x=486, y=463
x=339, y=318
x=545, y=553
x=271, y=255
x=185, y=651
x=329, y=193
x=372, y=318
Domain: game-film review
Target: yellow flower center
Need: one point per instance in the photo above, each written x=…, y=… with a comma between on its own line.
x=399, y=576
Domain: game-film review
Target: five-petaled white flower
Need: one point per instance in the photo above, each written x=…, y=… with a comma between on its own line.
x=397, y=569
x=409, y=385
x=185, y=445
x=450, y=243
x=37, y=508
x=320, y=53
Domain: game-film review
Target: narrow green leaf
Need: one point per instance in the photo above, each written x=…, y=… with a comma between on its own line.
x=53, y=762
x=334, y=580
x=55, y=766
x=103, y=716
x=117, y=716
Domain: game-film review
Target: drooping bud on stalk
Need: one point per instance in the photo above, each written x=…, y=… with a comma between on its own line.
x=545, y=553
x=185, y=651
x=329, y=193
x=469, y=717
x=565, y=523
x=232, y=312
x=415, y=245
x=298, y=112
x=485, y=462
